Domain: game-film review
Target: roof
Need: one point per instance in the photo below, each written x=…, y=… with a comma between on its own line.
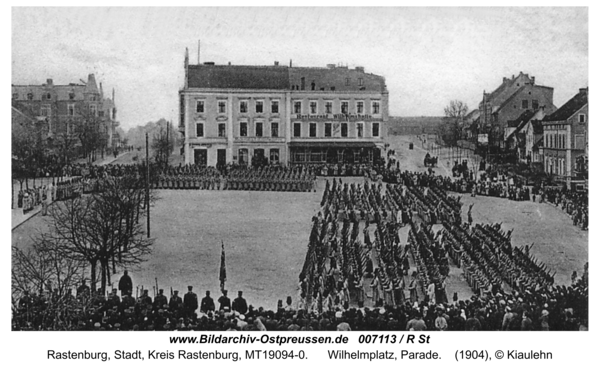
x=509, y=99
x=282, y=78
x=522, y=119
x=242, y=77
x=569, y=108
x=539, y=143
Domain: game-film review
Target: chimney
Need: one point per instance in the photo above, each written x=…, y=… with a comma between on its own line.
x=330, y=66
x=276, y=63
x=209, y=63
x=229, y=63
x=49, y=81
x=360, y=69
x=532, y=80
x=290, y=63
x=583, y=90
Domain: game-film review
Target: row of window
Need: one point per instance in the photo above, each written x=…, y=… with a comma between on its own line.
x=243, y=155
x=555, y=166
x=313, y=107
x=555, y=141
x=342, y=128
x=259, y=107
x=534, y=104
x=48, y=96
x=46, y=110
x=312, y=129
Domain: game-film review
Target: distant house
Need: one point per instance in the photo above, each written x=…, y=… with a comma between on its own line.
x=523, y=132
x=566, y=141
x=507, y=102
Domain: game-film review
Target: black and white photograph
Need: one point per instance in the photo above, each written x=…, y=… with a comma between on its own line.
x=299, y=169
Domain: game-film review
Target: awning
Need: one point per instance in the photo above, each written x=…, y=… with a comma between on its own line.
x=332, y=144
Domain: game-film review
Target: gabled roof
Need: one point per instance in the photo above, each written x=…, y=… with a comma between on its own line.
x=570, y=107
x=509, y=99
x=522, y=119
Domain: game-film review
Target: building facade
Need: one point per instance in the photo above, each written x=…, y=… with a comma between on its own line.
x=62, y=108
x=507, y=102
x=566, y=140
x=280, y=114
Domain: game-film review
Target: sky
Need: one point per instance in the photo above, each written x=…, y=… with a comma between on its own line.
x=428, y=56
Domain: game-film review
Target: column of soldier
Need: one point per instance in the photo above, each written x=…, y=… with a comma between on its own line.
x=266, y=178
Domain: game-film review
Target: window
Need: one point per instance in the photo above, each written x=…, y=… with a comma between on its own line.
x=344, y=129
x=71, y=110
x=360, y=81
x=581, y=118
x=71, y=95
x=359, y=130
x=347, y=81
x=258, y=129
x=93, y=98
x=243, y=156
x=313, y=107
x=375, y=107
x=312, y=132
x=328, y=107
x=93, y=109
x=327, y=129
x=274, y=156
x=579, y=142
x=30, y=96
x=275, y=106
x=525, y=104
x=243, y=106
x=360, y=107
x=297, y=129
x=222, y=107
x=275, y=129
x=535, y=105
x=243, y=129
x=101, y=113
x=344, y=107
x=259, y=106
x=312, y=85
x=375, y=129
x=200, y=106
x=222, y=130
x=48, y=96
x=45, y=111
x=199, y=129
x=297, y=107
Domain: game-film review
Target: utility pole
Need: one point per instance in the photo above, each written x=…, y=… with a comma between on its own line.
x=168, y=147
x=147, y=188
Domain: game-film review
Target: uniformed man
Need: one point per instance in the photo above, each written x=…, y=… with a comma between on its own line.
x=160, y=300
x=239, y=304
x=207, y=303
x=224, y=301
x=175, y=304
x=190, y=301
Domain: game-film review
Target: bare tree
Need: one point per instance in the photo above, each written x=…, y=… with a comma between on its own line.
x=454, y=115
x=102, y=229
x=163, y=142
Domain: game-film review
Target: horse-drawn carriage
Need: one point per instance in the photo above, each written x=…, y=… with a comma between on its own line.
x=430, y=161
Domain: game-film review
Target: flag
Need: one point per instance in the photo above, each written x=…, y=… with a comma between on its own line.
x=222, y=270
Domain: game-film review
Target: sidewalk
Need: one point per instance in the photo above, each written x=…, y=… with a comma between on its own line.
x=17, y=216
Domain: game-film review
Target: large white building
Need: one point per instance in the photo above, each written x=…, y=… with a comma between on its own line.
x=230, y=113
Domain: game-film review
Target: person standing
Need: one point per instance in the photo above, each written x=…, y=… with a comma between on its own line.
x=412, y=288
x=207, y=304
x=190, y=302
x=239, y=304
x=125, y=284
x=224, y=301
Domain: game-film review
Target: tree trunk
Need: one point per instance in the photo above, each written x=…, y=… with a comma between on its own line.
x=93, y=276
x=104, y=267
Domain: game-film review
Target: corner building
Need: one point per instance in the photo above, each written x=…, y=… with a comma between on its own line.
x=288, y=115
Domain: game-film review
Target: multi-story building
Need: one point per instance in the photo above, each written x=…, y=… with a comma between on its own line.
x=566, y=140
x=507, y=102
x=63, y=107
x=281, y=114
